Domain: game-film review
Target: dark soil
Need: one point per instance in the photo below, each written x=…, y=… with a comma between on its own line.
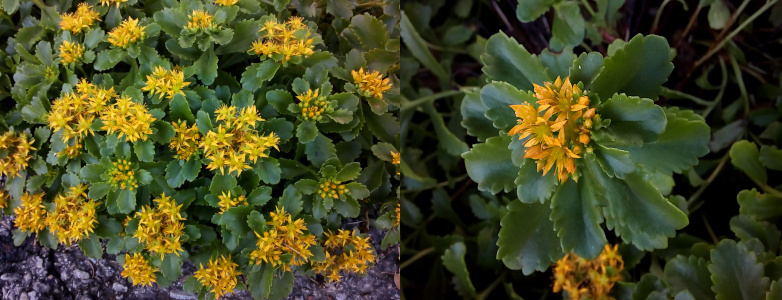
x=32, y=272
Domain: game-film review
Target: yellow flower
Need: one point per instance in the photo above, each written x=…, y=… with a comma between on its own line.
x=283, y=41
x=126, y=33
x=73, y=218
x=3, y=199
x=200, y=19
x=14, y=153
x=396, y=159
x=560, y=141
x=589, y=279
x=71, y=151
x=109, y=2
x=226, y=201
x=226, y=2
x=31, y=215
x=121, y=176
x=166, y=82
x=80, y=20
x=70, y=52
x=220, y=275
x=235, y=141
x=138, y=270
x=74, y=112
x=186, y=140
x=313, y=106
x=127, y=118
x=286, y=236
x=370, y=84
x=160, y=228
x=398, y=210
x=356, y=255
x=330, y=188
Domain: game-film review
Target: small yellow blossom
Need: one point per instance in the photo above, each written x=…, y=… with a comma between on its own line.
x=71, y=151
x=200, y=20
x=127, y=118
x=74, y=112
x=80, y=20
x=356, y=255
x=235, y=142
x=220, y=275
x=121, y=176
x=396, y=159
x=3, y=199
x=126, y=33
x=568, y=106
x=166, y=82
x=109, y=2
x=286, y=236
x=313, y=106
x=138, y=269
x=588, y=279
x=70, y=52
x=160, y=228
x=226, y=2
x=186, y=140
x=370, y=84
x=31, y=215
x=14, y=153
x=330, y=188
x=226, y=201
x=73, y=218
x=398, y=210
x=283, y=41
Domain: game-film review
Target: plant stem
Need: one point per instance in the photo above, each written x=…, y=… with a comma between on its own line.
x=711, y=231
x=688, y=97
x=485, y=293
x=415, y=103
x=588, y=7
x=740, y=82
x=709, y=180
x=415, y=257
x=724, y=83
x=659, y=13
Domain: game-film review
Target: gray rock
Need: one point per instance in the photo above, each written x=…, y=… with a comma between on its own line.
x=9, y=277
x=181, y=295
x=33, y=295
x=38, y=262
x=81, y=274
x=27, y=278
x=119, y=288
x=41, y=288
x=24, y=297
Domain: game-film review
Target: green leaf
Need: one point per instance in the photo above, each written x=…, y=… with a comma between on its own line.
x=291, y=200
x=532, y=185
x=615, y=162
x=473, y=118
x=689, y=273
x=349, y=172
x=506, y=60
x=191, y=168
x=91, y=247
x=260, y=196
x=307, y=186
x=568, y=28
x=497, y=97
x=171, y=21
x=320, y=149
x=357, y=190
x=585, y=68
x=718, y=14
x=256, y=222
x=164, y=132
x=203, y=122
x=126, y=201
x=222, y=183
x=340, y=8
x=736, y=272
x=93, y=37
x=255, y=75
x=747, y=228
x=180, y=110
x=419, y=49
x=685, y=138
x=453, y=260
x=527, y=240
x=489, y=165
x=759, y=206
x=558, y=63
x=279, y=99
x=530, y=10
x=771, y=157
x=260, y=283
x=369, y=31
x=269, y=170
x=206, y=67
x=235, y=219
x=282, y=286
x=633, y=119
x=447, y=140
x=348, y=208
x=245, y=32
x=92, y=172
x=145, y=150
x=174, y=176
x=744, y=155
x=575, y=212
x=171, y=267
x=98, y=190
x=307, y=132
x=637, y=69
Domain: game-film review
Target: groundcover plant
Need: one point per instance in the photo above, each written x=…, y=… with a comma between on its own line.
x=242, y=135
x=591, y=149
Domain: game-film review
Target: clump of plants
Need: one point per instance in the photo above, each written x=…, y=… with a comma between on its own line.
x=170, y=132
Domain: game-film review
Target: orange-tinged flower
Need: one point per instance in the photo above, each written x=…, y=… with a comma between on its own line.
x=370, y=84
x=31, y=215
x=109, y=2
x=138, y=269
x=80, y=20
x=126, y=33
x=588, y=279
x=70, y=52
x=14, y=153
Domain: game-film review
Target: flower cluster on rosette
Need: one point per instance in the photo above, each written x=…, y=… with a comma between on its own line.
x=283, y=241
x=159, y=228
x=118, y=180
x=291, y=40
x=73, y=217
x=138, y=270
x=589, y=278
x=581, y=141
x=345, y=252
x=15, y=150
x=220, y=275
x=333, y=189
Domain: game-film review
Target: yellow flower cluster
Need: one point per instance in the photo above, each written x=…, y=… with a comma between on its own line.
x=138, y=269
x=345, y=251
x=127, y=118
x=80, y=20
x=73, y=217
x=73, y=113
x=236, y=142
x=314, y=106
x=329, y=187
x=568, y=106
x=166, y=82
x=226, y=201
x=121, y=176
x=285, y=237
x=109, y=2
x=370, y=84
x=589, y=279
x=70, y=52
x=282, y=41
x=14, y=153
x=126, y=33
x=186, y=140
x=226, y=2
x=200, y=19
x=398, y=210
x=31, y=215
x=72, y=151
x=3, y=199
x=220, y=275
x=160, y=228
x=396, y=159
